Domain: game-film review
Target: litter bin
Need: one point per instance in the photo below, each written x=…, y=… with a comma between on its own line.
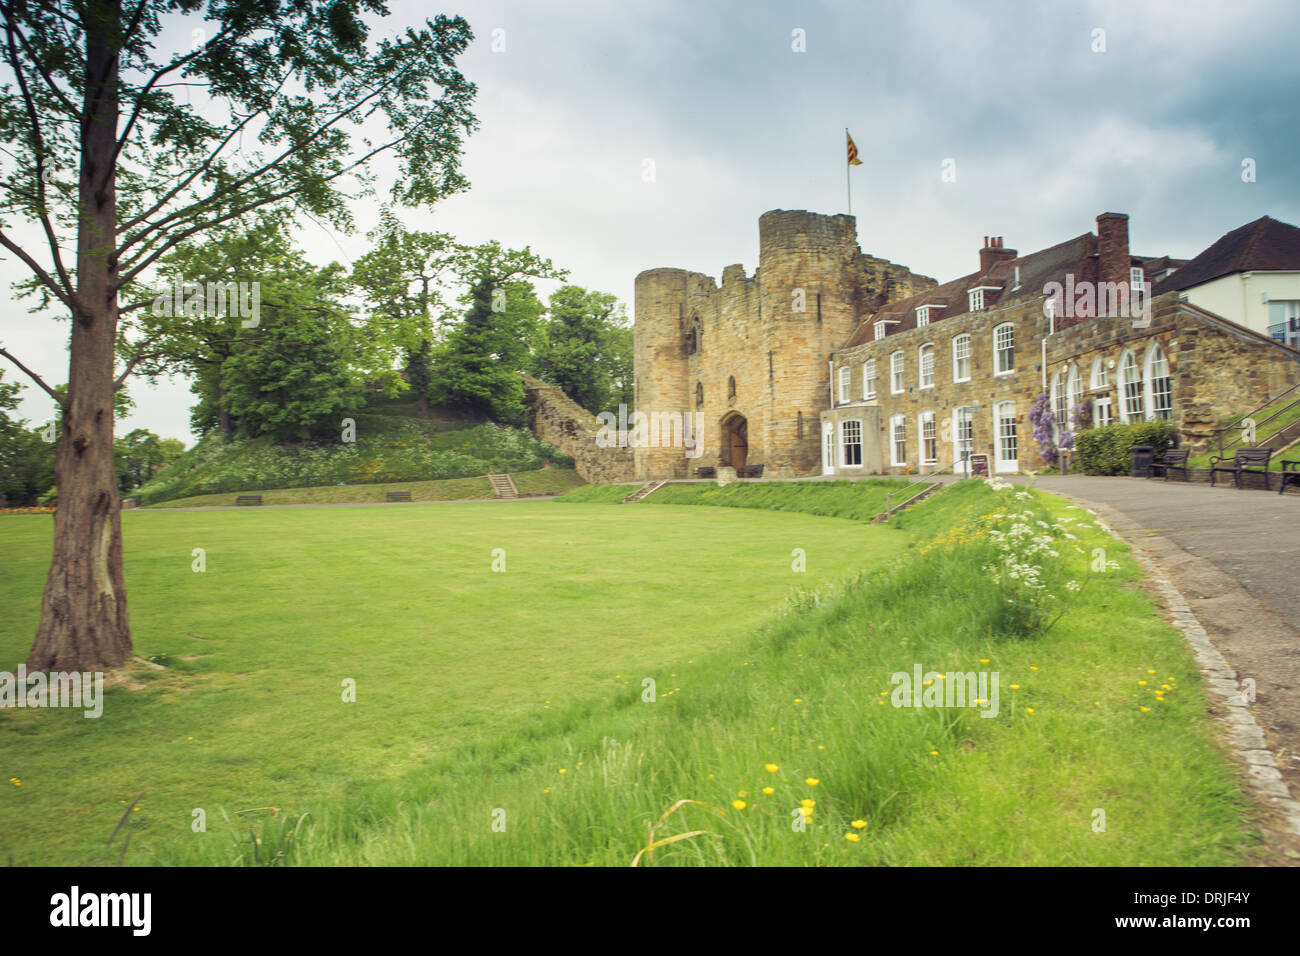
x=1141, y=457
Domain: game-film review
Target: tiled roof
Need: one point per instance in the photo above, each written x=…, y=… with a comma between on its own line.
x=1263, y=245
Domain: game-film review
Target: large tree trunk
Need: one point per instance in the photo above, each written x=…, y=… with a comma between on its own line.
x=84, y=622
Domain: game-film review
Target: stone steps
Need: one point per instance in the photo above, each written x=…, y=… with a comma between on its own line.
x=503, y=486
x=644, y=490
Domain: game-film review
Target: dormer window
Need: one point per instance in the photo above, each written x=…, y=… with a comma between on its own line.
x=1135, y=279
x=975, y=300
x=879, y=330
x=923, y=314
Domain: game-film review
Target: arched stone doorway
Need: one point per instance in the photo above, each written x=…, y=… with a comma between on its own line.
x=735, y=440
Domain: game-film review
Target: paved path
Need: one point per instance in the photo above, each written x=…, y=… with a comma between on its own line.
x=1254, y=536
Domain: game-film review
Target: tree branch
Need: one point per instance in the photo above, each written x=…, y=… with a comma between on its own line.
x=34, y=377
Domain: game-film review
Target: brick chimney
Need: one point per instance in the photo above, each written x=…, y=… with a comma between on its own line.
x=993, y=253
x=1112, y=248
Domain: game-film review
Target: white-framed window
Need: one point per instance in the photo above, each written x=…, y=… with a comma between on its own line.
x=923, y=315
x=898, y=440
x=929, y=439
x=845, y=375
x=1135, y=278
x=1130, y=389
x=961, y=358
x=851, y=441
x=1073, y=388
x=1099, y=377
x=1159, y=390
x=1103, y=414
x=869, y=378
x=1060, y=415
x=879, y=330
x=1006, y=440
x=1284, y=321
x=1004, y=349
x=896, y=372
x=963, y=437
x=925, y=362
x=975, y=300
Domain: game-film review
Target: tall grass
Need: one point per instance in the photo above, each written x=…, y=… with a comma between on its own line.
x=803, y=709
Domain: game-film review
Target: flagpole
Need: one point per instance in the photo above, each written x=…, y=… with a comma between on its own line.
x=848, y=185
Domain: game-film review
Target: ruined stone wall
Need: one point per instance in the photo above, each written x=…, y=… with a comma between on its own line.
x=558, y=420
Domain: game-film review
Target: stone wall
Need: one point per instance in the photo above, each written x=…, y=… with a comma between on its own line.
x=559, y=421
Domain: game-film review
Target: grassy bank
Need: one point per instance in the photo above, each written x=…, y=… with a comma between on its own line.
x=1100, y=708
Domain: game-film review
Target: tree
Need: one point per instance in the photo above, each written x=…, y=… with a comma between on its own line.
x=91, y=81
x=478, y=367
x=585, y=347
x=26, y=456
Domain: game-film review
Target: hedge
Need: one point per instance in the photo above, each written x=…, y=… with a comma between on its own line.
x=1105, y=450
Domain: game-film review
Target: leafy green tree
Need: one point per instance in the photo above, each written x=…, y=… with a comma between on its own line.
x=141, y=454
x=110, y=154
x=584, y=347
x=26, y=455
x=477, y=368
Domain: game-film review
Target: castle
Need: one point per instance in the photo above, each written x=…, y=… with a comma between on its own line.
x=831, y=362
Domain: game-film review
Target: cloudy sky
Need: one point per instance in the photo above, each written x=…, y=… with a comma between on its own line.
x=1045, y=131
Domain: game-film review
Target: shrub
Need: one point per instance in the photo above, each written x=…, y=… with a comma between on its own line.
x=1105, y=451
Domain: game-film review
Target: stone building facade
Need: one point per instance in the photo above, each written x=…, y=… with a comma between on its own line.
x=828, y=361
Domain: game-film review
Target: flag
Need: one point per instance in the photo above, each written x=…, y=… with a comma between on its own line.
x=853, y=151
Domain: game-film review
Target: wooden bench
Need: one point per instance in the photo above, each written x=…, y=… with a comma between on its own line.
x=398, y=496
x=1245, y=461
x=1290, y=474
x=707, y=471
x=749, y=471
x=1173, y=460
x=248, y=500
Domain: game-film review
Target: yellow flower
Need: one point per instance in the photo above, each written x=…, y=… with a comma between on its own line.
x=812, y=781
x=1097, y=703
x=851, y=837
x=1145, y=709
x=858, y=824
x=1150, y=672
x=771, y=767
x=768, y=791
x=562, y=770
x=1165, y=687
x=1015, y=687
x=1029, y=710
x=1142, y=683
x=546, y=790
x=934, y=753
x=738, y=804
x=1032, y=667
x=984, y=660
x=808, y=803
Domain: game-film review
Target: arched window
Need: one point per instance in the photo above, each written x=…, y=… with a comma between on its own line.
x=925, y=360
x=1098, y=378
x=1130, y=389
x=731, y=387
x=1159, y=393
x=1060, y=413
x=699, y=394
x=961, y=358
x=869, y=379
x=1074, y=387
x=845, y=375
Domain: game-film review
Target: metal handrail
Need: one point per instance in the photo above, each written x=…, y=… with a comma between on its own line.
x=1220, y=432
x=890, y=494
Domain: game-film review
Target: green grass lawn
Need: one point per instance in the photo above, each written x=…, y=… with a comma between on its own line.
x=518, y=699
x=446, y=654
